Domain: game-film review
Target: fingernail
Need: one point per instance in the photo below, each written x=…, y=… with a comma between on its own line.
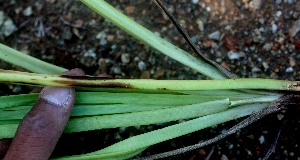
x=56, y=95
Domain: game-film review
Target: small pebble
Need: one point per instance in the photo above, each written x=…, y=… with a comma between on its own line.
x=295, y=15
x=28, y=11
x=297, y=44
x=194, y=39
x=215, y=35
x=265, y=65
x=291, y=47
x=256, y=69
x=90, y=53
x=224, y=157
x=116, y=70
x=295, y=28
x=251, y=136
x=261, y=20
x=208, y=9
x=291, y=1
x=278, y=14
x=289, y=70
x=248, y=152
x=103, y=41
x=261, y=139
x=268, y=46
x=141, y=65
x=230, y=42
x=233, y=55
x=8, y=27
x=274, y=28
x=278, y=1
x=280, y=116
x=292, y=61
x=129, y=9
x=195, y=1
x=255, y=4
x=200, y=25
x=110, y=38
x=114, y=47
x=230, y=146
x=125, y=58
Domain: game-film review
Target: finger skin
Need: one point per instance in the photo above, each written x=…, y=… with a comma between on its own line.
x=41, y=128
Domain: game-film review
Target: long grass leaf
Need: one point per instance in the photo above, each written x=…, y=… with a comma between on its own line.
x=28, y=62
x=147, y=139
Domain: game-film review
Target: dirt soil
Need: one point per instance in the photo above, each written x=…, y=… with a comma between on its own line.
x=252, y=38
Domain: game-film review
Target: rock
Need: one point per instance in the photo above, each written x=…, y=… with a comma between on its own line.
x=215, y=35
x=224, y=157
x=194, y=39
x=281, y=40
x=158, y=74
x=295, y=28
x=275, y=46
x=207, y=43
x=129, y=9
x=280, y=116
x=114, y=47
x=291, y=47
x=233, y=55
x=125, y=58
x=297, y=44
x=278, y=14
x=261, y=139
x=145, y=75
x=295, y=15
x=274, y=28
x=208, y=9
x=292, y=61
x=89, y=58
x=8, y=27
x=195, y=1
x=141, y=65
x=247, y=43
x=76, y=32
x=67, y=35
x=102, y=36
x=278, y=1
x=110, y=38
x=267, y=46
x=102, y=67
x=38, y=6
x=265, y=65
x=255, y=5
x=289, y=70
x=291, y=1
x=230, y=42
x=116, y=70
x=261, y=20
x=223, y=64
x=200, y=25
x=28, y=11
x=79, y=22
x=255, y=69
x=103, y=41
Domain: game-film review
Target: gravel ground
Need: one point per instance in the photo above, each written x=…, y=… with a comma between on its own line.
x=252, y=38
